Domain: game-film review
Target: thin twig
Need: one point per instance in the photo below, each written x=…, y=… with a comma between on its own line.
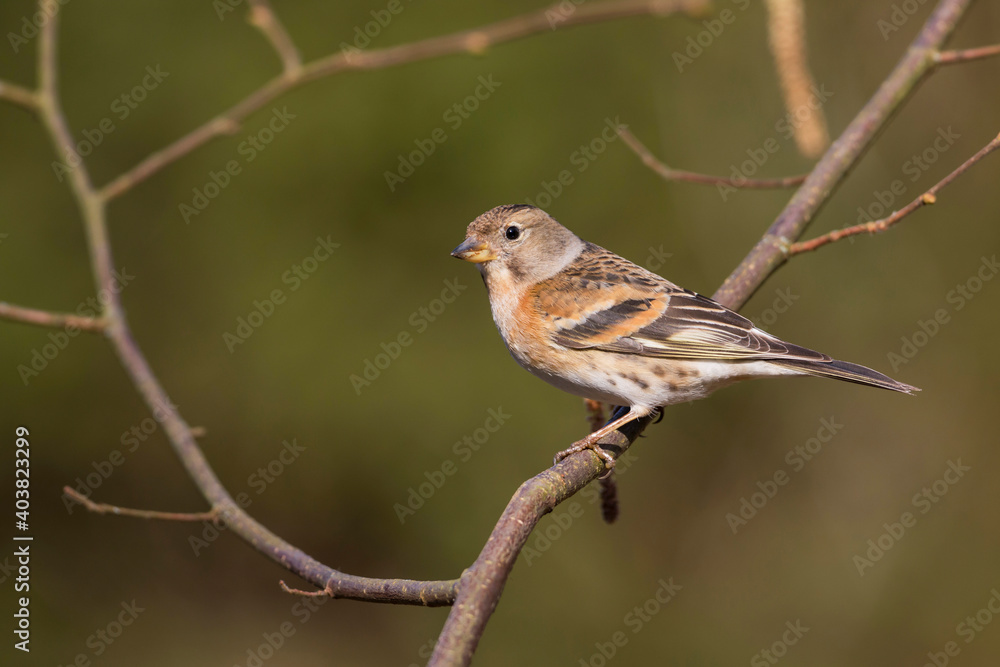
x=326, y=592
x=15, y=94
x=595, y=413
x=669, y=174
x=45, y=318
x=843, y=154
x=474, y=42
x=786, y=29
x=92, y=210
x=607, y=481
x=926, y=199
x=104, y=508
x=609, y=496
x=966, y=55
x=482, y=583
x=262, y=17
x=94, y=213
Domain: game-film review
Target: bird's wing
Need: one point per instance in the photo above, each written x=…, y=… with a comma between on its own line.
x=607, y=303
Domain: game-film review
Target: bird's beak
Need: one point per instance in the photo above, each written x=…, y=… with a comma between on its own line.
x=473, y=251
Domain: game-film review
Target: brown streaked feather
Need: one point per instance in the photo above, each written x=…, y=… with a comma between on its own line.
x=695, y=327
x=640, y=313
x=613, y=327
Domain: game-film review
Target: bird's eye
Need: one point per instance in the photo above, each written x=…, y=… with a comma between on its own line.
x=513, y=233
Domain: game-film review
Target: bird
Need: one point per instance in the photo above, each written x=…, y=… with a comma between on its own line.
x=596, y=325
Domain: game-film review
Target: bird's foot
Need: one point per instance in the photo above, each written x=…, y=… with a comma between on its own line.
x=590, y=442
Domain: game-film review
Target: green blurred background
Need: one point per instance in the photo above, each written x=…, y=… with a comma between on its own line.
x=323, y=176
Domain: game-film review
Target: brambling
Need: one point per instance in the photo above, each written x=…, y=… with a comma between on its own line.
x=596, y=325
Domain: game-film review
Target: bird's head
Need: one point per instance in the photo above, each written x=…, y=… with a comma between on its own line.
x=520, y=242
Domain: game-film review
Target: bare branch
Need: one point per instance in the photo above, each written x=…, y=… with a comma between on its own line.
x=607, y=481
x=182, y=439
x=103, y=508
x=609, y=496
x=786, y=29
x=475, y=41
x=52, y=116
x=262, y=16
x=966, y=55
x=326, y=592
x=15, y=94
x=475, y=596
x=483, y=582
x=926, y=199
x=670, y=174
x=846, y=151
x=45, y=318
x=595, y=413
x=397, y=591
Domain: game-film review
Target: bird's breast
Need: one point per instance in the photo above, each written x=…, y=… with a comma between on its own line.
x=516, y=316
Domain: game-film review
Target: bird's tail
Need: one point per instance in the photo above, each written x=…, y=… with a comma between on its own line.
x=843, y=370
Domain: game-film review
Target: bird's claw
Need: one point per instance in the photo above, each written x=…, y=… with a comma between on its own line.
x=591, y=444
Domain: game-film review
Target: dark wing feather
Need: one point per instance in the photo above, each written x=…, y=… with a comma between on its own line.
x=603, y=302
x=624, y=308
x=610, y=328
x=691, y=327
x=694, y=326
